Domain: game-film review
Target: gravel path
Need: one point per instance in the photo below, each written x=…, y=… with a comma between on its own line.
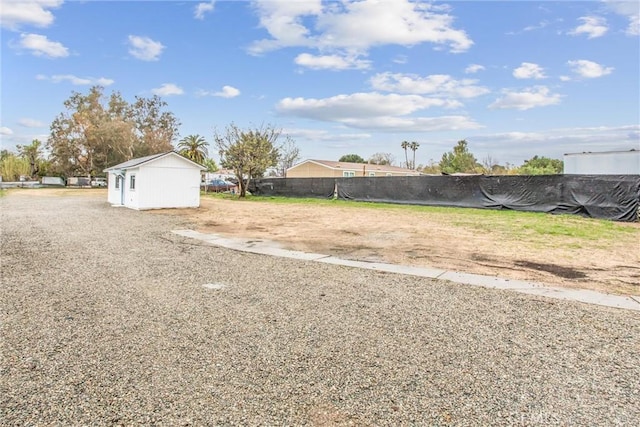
x=105, y=321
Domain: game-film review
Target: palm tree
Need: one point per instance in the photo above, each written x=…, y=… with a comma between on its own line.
x=194, y=147
x=414, y=146
x=405, y=145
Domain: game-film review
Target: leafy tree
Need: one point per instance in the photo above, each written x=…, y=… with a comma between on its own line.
x=413, y=145
x=352, y=158
x=289, y=154
x=431, y=168
x=155, y=129
x=194, y=147
x=405, y=145
x=247, y=152
x=460, y=160
x=541, y=166
x=210, y=164
x=92, y=134
x=382, y=159
x=13, y=166
x=32, y=153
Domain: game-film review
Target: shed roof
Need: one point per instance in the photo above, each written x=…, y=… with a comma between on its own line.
x=358, y=166
x=134, y=163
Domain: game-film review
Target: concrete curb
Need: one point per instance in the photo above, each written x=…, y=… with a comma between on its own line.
x=265, y=247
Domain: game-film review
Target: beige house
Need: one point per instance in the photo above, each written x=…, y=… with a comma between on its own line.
x=330, y=169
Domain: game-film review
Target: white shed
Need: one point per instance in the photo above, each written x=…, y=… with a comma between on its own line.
x=165, y=180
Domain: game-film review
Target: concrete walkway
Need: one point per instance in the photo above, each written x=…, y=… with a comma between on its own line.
x=265, y=247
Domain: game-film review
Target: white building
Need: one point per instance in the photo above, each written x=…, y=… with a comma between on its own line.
x=603, y=163
x=165, y=180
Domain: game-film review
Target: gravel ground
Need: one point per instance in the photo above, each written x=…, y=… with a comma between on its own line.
x=105, y=321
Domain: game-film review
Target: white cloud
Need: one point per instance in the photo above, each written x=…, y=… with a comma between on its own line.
x=30, y=123
x=323, y=135
x=5, y=131
x=78, y=81
x=375, y=111
x=226, y=92
x=15, y=13
x=631, y=11
x=474, y=68
x=359, y=105
x=589, y=69
x=167, y=89
x=414, y=124
x=144, y=48
x=592, y=26
x=539, y=96
x=528, y=70
x=202, y=8
x=437, y=84
x=400, y=59
x=331, y=62
x=40, y=45
x=356, y=26
x=556, y=142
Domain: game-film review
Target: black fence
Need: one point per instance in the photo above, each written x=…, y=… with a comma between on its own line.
x=614, y=197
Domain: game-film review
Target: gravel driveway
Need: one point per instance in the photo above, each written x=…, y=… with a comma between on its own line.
x=105, y=321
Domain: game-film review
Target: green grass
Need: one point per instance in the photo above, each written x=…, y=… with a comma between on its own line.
x=534, y=226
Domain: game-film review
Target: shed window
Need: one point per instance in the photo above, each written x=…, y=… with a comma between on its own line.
x=348, y=174
x=132, y=182
x=117, y=182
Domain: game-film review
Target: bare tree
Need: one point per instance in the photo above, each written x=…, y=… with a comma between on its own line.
x=289, y=154
x=382, y=159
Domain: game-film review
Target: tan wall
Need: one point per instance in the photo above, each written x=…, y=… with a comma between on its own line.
x=311, y=170
x=314, y=170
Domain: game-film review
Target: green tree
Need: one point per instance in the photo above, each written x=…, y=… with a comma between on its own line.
x=288, y=155
x=93, y=134
x=460, y=160
x=431, y=168
x=352, y=158
x=13, y=166
x=405, y=145
x=381, y=159
x=541, y=166
x=210, y=164
x=247, y=152
x=32, y=153
x=156, y=130
x=194, y=147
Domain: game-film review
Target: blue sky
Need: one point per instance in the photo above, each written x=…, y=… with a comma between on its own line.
x=513, y=78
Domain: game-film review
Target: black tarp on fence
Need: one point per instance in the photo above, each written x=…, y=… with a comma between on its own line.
x=615, y=197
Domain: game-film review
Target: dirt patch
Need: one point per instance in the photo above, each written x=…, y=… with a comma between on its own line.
x=411, y=238
x=419, y=239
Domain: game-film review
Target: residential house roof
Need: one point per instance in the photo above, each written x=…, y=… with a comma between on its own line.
x=359, y=166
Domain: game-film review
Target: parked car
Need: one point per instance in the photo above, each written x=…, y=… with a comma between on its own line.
x=99, y=182
x=219, y=185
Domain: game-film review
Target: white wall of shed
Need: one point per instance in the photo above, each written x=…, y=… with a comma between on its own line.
x=169, y=182
x=113, y=193
x=132, y=197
